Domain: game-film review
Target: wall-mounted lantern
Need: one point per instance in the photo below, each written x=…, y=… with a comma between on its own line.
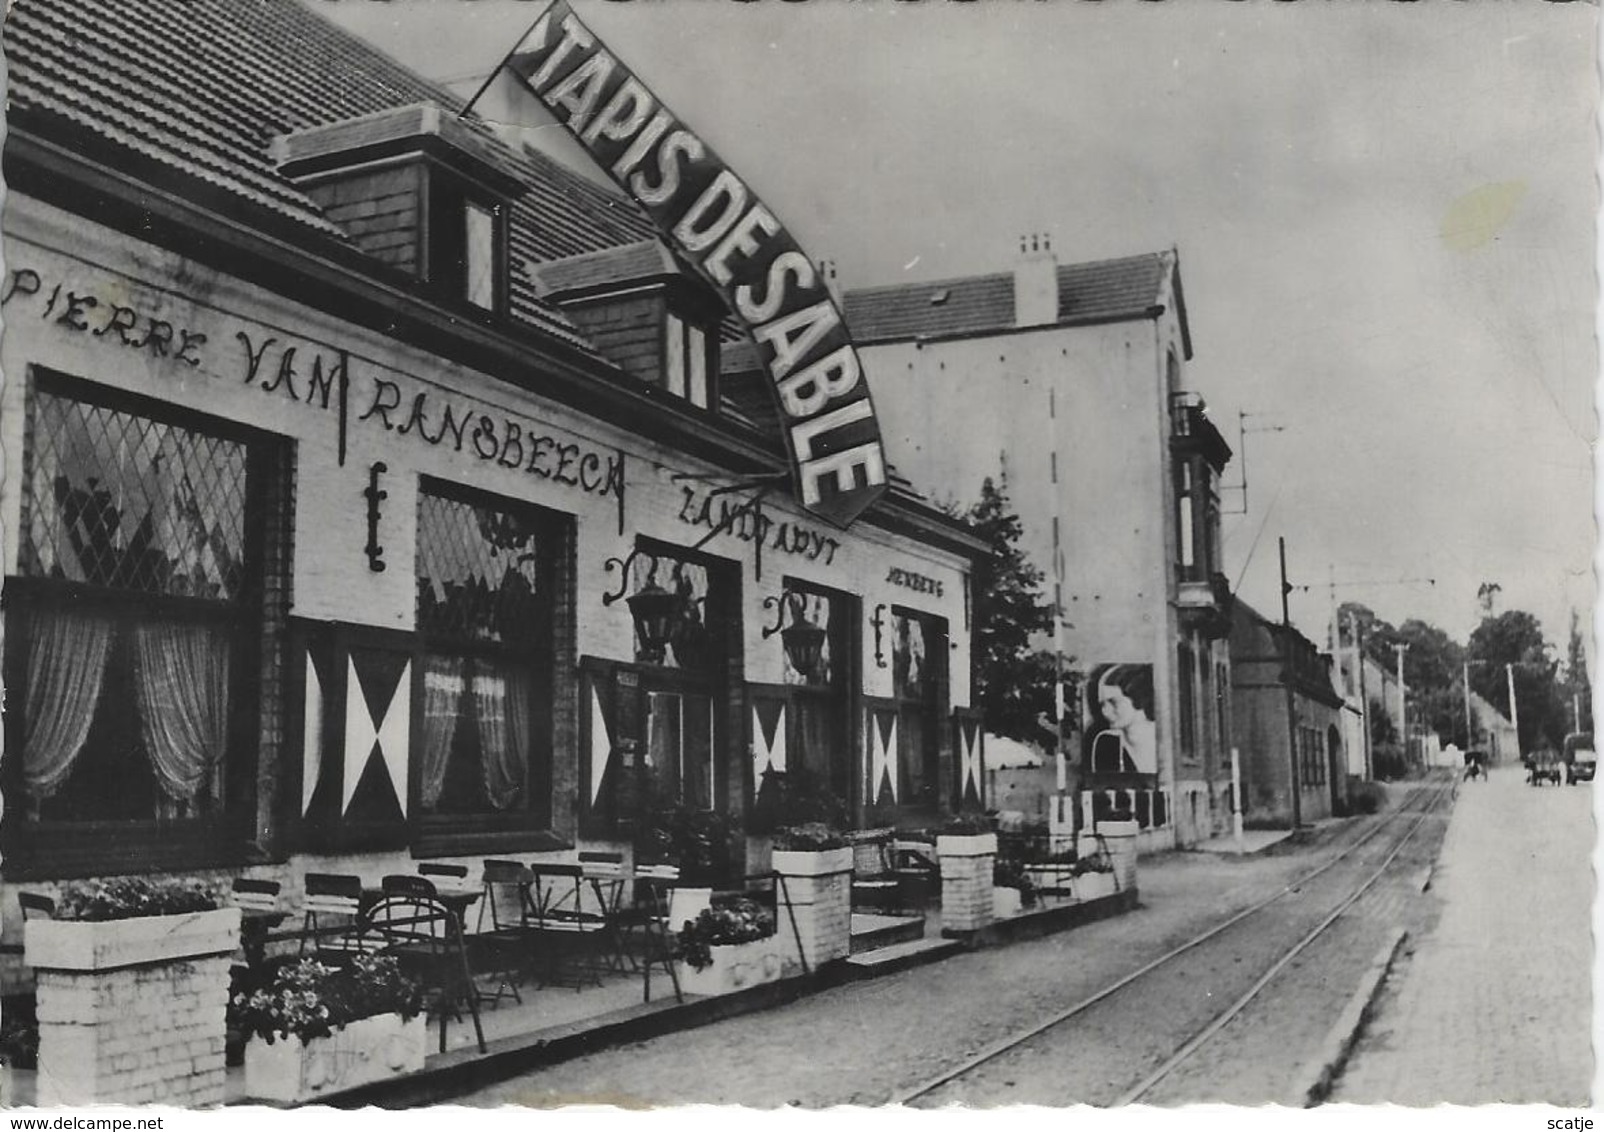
x=803, y=640
x=657, y=612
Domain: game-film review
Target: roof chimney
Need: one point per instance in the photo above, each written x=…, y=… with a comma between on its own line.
x=1036, y=281
x=831, y=281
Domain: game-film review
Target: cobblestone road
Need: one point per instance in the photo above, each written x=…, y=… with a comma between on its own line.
x=1495, y=1003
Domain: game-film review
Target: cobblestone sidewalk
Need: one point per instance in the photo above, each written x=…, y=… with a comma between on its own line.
x=1495, y=1005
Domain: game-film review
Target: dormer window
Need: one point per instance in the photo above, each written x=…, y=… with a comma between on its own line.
x=687, y=361
x=465, y=242
x=418, y=190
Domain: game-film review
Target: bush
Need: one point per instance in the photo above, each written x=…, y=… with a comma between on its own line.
x=310, y=1000
x=1011, y=874
x=794, y=798
x=813, y=837
x=1365, y=797
x=966, y=825
x=125, y=898
x=740, y=920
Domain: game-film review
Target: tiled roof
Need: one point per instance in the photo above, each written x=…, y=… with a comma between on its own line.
x=1106, y=289
x=203, y=87
x=644, y=259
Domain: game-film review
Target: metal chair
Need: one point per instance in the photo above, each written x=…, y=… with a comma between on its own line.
x=510, y=939
x=332, y=921
x=654, y=893
x=426, y=938
x=260, y=912
x=604, y=871
x=406, y=884
x=444, y=875
x=36, y=906
x=567, y=930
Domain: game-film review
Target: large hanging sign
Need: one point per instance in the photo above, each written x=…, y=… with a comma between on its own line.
x=718, y=225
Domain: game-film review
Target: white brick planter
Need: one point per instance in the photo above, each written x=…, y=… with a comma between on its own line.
x=132, y=1011
x=370, y=1049
x=737, y=966
x=967, y=903
x=1121, y=838
x=819, y=885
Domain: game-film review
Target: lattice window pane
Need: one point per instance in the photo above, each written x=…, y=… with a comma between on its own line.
x=477, y=571
x=123, y=501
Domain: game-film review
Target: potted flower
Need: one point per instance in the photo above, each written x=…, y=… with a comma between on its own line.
x=696, y=842
x=316, y=1029
x=1012, y=890
x=729, y=946
x=1094, y=877
x=132, y=963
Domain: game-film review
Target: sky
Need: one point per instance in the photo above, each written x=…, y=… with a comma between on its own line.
x=1384, y=214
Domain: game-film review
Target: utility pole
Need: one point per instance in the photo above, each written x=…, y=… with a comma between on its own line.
x=1514, y=712
x=1292, y=703
x=1403, y=703
x=1364, y=697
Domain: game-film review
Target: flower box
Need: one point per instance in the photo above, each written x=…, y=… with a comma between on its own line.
x=736, y=966
x=1006, y=902
x=812, y=862
x=99, y=945
x=1094, y=886
x=291, y=1071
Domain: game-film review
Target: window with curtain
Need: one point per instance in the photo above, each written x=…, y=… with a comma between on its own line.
x=137, y=606
x=816, y=621
x=918, y=670
x=483, y=741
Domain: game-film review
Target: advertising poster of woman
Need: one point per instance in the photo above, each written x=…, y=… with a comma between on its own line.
x=1122, y=736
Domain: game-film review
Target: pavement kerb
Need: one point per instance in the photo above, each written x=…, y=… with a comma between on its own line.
x=1313, y=1083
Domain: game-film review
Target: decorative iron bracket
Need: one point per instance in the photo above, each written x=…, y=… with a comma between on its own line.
x=622, y=565
x=879, y=623
x=374, y=551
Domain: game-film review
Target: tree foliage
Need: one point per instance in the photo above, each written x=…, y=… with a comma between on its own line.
x=1512, y=643
x=1014, y=682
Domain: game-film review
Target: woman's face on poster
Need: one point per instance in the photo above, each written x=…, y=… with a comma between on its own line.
x=1116, y=706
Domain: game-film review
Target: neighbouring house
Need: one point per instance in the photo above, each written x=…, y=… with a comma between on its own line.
x=1287, y=719
x=352, y=516
x=1068, y=381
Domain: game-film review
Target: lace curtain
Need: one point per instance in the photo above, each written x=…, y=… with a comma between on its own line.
x=181, y=684
x=502, y=706
x=442, y=697
x=67, y=654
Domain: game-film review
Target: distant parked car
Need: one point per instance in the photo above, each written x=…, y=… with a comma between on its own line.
x=1580, y=760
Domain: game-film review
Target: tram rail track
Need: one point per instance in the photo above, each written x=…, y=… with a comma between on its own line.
x=1420, y=805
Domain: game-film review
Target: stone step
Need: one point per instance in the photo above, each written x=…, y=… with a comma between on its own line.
x=896, y=956
x=870, y=932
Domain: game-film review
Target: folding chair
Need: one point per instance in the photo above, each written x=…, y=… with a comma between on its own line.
x=654, y=892
x=426, y=937
x=36, y=906
x=604, y=871
x=332, y=922
x=444, y=875
x=510, y=940
x=260, y=913
x=567, y=929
